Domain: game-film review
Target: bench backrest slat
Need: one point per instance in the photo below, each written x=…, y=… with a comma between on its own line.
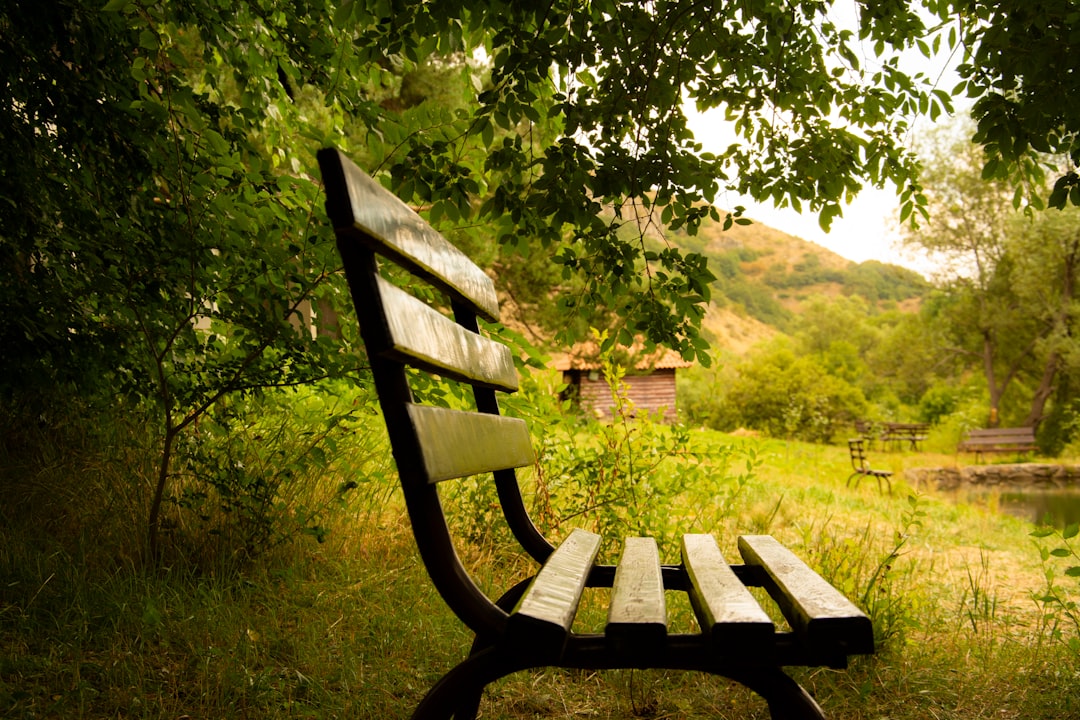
x=356, y=202
x=858, y=455
x=456, y=443
x=1008, y=433
x=425, y=338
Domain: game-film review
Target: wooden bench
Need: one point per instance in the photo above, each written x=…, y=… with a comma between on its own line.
x=899, y=433
x=998, y=440
x=532, y=624
x=862, y=467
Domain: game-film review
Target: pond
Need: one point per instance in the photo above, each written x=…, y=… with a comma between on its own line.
x=1055, y=507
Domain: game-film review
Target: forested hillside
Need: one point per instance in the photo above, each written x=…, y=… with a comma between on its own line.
x=768, y=275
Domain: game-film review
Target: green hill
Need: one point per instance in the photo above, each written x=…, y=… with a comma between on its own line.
x=766, y=275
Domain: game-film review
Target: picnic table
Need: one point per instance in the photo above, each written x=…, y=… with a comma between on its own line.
x=899, y=433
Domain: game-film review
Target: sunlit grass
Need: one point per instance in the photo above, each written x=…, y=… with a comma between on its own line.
x=352, y=628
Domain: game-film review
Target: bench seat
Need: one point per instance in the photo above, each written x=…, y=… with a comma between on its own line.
x=824, y=625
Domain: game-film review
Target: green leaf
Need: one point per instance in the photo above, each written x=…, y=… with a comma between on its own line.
x=116, y=5
x=1060, y=552
x=1070, y=531
x=1073, y=571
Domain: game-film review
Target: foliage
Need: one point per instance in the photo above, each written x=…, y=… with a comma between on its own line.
x=876, y=281
x=259, y=473
x=789, y=396
x=734, y=288
x=1026, y=104
x=1007, y=307
x=1061, y=601
x=622, y=477
x=256, y=474
x=871, y=280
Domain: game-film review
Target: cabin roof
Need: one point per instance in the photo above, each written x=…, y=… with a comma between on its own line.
x=586, y=356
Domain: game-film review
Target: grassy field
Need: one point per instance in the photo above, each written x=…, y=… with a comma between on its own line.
x=351, y=628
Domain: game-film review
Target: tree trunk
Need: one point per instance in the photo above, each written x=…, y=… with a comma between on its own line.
x=154, y=522
x=1043, y=392
x=991, y=380
x=1063, y=326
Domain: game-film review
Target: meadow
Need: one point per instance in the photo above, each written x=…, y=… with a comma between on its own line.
x=350, y=627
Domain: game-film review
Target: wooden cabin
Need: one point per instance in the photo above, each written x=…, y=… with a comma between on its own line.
x=649, y=381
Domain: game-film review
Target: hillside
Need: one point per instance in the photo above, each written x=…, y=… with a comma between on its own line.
x=763, y=279
x=764, y=276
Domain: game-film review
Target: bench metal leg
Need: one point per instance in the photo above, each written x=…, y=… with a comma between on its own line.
x=469, y=707
x=787, y=699
x=456, y=690
x=456, y=695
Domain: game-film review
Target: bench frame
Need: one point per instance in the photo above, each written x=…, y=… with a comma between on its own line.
x=1019, y=440
x=862, y=468
x=531, y=624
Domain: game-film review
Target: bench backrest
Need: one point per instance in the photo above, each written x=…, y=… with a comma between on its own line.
x=431, y=444
x=1016, y=433
x=858, y=455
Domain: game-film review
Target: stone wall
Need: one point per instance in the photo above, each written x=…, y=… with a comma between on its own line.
x=1018, y=475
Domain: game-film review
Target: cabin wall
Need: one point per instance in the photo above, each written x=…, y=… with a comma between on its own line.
x=648, y=393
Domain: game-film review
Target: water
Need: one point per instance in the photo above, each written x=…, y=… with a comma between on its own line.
x=1056, y=507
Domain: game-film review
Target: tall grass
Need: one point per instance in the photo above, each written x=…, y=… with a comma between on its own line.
x=350, y=627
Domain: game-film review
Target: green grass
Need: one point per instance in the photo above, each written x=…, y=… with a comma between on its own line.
x=351, y=627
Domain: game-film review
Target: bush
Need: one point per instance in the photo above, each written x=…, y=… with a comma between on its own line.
x=254, y=474
x=790, y=397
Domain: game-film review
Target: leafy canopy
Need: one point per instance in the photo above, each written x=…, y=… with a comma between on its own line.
x=138, y=124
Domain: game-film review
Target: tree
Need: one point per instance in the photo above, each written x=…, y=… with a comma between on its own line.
x=1048, y=270
x=1017, y=65
x=792, y=397
x=1009, y=276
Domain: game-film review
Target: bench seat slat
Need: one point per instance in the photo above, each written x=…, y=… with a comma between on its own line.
x=637, y=616
x=818, y=612
x=724, y=607
x=355, y=201
x=428, y=339
x=456, y=443
x=544, y=615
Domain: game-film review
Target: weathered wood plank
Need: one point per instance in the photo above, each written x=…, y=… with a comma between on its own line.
x=434, y=342
x=456, y=443
x=637, y=615
x=818, y=612
x=355, y=200
x=544, y=615
x=724, y=607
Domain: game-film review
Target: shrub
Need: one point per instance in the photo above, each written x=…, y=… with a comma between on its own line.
x=791, y=397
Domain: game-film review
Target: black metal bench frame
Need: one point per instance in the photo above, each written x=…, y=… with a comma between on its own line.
x=531, y=625
x=862, y=468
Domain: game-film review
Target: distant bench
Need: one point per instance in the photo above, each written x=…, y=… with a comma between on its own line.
x=998, y=440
